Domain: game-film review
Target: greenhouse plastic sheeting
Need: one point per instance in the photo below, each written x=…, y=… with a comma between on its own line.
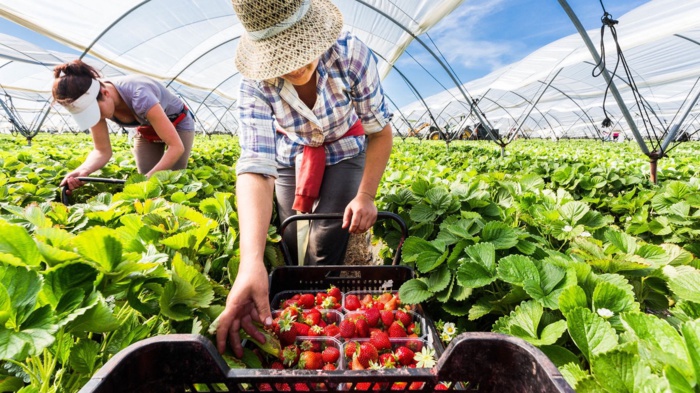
x=661, y=42
x=193, y=42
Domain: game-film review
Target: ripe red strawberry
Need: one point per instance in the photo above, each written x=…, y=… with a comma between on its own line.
x=380, y=340
x=396, y=330
x=367, y=301
x=309, y=360
x=363, y=385
x=362, y=328
x=399, y=386
x=287, y=333
x=312, y=317
x=404, y=355
x=330, y=354
x=265, y=387
x=350, y=348
x=387, y=360
x=291, y=311
x=277, y=366
x=347, y=328
x=372, y=315
x=414, y=345
x=289, y=303
x=352, y=303
x=335, y=292
x=404, y=317
x=416, y=386
x=310, y=345
x=301, y=328
x=367, y=353
x=307, y=301
x=331, y=330
x=387, y=317
x=290, y=356
x=315, y=331
x=301, y=387
x=331, y=317
x=329, y=367
x=441, y=386
x=413, y=328
x=320, y=297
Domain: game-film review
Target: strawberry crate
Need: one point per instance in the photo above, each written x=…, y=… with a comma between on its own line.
x=279, y=299
x=412, y=317
x=484, y=362
x=328, y=317
x=376, y=296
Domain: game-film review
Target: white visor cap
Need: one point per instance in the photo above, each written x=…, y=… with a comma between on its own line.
x=85, y=109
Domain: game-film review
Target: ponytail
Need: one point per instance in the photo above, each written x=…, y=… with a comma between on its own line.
x=72, y=80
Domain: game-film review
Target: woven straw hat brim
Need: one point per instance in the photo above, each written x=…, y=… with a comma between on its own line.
x=293, y=48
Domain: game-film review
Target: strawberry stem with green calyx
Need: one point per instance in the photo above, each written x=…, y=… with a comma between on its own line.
x=272, y=344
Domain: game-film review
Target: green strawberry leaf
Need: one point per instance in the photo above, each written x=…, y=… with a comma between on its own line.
x=17, y=247
x=500, y=235
x=684, y=281
x=414, y=291
x=591, y=333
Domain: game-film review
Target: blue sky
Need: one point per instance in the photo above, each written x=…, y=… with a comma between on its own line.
x=481, y=36
x=477, y=38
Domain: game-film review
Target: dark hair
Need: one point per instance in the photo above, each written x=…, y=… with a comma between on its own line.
x=73, y=79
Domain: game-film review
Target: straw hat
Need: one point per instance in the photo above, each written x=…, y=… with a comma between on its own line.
x=284, y=35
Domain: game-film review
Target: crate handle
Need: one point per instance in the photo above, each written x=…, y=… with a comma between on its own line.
x=382, y=215
x=65, y=199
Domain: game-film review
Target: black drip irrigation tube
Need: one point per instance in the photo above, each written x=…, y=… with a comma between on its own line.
x=65, y=198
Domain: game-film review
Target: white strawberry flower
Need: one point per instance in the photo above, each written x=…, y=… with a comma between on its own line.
x=449, y=329
x=605, y=313
x=445, y=337
x=585, y=234
x=425, y=358
x=568, y=228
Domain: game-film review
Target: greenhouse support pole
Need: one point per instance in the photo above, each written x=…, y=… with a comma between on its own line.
x=606, y=75
x=401, y=114
x=415, y=91
x=426, y=47
x=674, y=129
x=533, y=105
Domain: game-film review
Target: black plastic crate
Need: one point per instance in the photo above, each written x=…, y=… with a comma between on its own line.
x=485, y=362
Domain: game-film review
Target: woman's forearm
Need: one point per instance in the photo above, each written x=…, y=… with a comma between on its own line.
x=95, y=160
x=378, y=152
x=254, y=200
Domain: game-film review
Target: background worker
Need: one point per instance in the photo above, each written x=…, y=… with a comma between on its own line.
x=165, y=127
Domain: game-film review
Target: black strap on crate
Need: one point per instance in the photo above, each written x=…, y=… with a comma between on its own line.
x=65, y=198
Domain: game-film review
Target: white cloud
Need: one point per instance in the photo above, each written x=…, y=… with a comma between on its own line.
x=456, y=36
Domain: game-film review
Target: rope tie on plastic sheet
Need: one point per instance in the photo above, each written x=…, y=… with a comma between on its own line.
x=609, y=22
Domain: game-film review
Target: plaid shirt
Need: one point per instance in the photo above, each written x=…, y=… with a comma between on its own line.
x=348, y=88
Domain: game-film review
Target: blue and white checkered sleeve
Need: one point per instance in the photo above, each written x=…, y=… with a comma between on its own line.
x=368, y=95
x=257, y=132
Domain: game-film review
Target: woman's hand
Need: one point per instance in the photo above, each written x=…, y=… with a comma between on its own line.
x=248, y=301
x=71, y=180
x=360, y=214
